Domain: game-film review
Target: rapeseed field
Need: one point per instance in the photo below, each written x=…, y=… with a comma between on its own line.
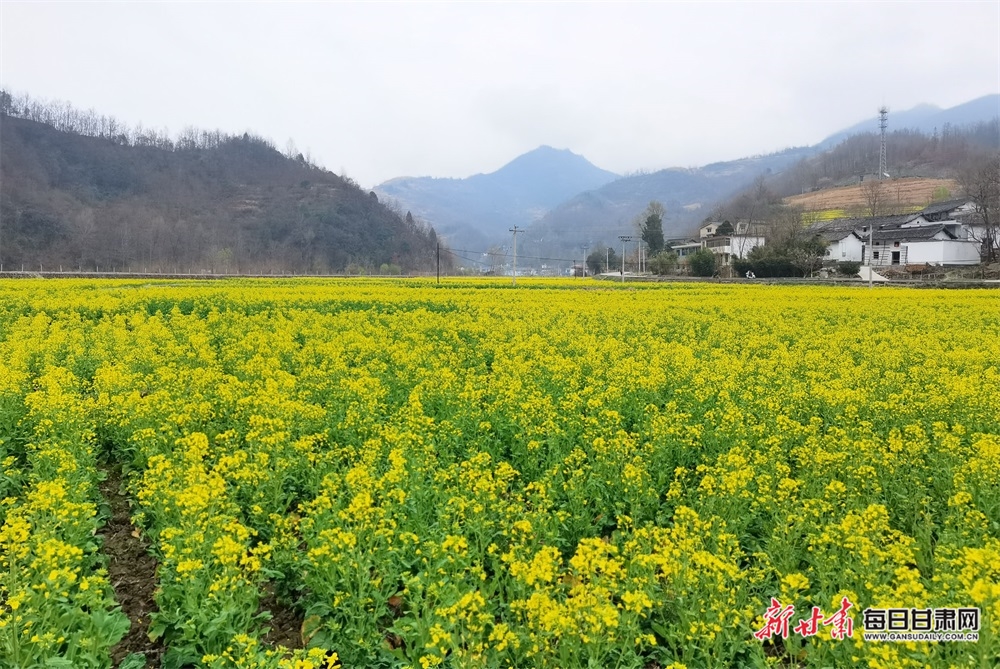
x=565, y=474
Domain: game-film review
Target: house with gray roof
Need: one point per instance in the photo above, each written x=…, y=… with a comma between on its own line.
x=843, y=245
x=935, y=244
x=940, y=234
x=949, y=210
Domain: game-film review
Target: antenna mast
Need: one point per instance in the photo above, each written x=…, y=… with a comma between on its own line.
x=883, y=122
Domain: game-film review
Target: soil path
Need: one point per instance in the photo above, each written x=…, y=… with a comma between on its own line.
x=132, y=572
x=285, y=626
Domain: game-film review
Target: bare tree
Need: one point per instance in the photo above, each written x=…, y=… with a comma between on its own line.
x=874, y=193
x=981, y=182
x=497, y=258
x=785, y=227
x=751, y=211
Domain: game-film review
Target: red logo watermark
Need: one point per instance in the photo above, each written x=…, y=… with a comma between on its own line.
x=777, y=617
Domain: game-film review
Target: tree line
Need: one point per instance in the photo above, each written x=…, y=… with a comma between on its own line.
x=63, y=116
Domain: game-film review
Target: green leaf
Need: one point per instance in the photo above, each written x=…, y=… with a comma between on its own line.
x=157, y=629
x=178, y=658
x=660, y=630
x=58, y=663
x=133, y=661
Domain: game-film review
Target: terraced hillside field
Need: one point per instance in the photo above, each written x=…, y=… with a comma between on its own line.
x=907, y=194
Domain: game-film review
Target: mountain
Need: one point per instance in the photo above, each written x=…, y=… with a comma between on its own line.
x=596, y=218
x=568, y=204
x=926, y=119
x=473, y=213
x=205, y=202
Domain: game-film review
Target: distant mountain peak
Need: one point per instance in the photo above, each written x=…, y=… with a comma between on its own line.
x=473, y=212
x=546, y=157
x=547, y=148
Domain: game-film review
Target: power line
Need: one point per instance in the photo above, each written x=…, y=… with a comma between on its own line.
x=472, y=260
x=524, y=257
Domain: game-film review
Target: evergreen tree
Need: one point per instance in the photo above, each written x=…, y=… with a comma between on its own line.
x=652, y=227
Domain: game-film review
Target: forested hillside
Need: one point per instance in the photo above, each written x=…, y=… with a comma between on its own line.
x=80, y=190
x=913, y=159
x=909, y=153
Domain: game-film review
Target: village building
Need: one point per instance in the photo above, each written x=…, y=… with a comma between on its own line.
x=941, y=234
x=728, y=241
x=682, y=246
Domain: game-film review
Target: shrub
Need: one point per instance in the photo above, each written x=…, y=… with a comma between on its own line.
x=766, y=262
x=848, y=267
x=702, y=263
x=664, y=262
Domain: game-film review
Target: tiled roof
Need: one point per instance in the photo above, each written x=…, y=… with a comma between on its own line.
x=947, y=205
x=836, y=235
x=918, y=234
x=858, y=224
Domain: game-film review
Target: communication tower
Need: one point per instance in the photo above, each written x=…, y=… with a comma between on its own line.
x=883, y=121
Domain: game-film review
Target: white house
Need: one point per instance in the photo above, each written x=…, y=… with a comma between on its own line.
x=847, y=238
x=935, y=244
x=843, y=245
x=727, y=240
x=685, y=248
x=949, y=210
x=960, y=217
x=708, y=229
x=930, y=236
x=731, y=247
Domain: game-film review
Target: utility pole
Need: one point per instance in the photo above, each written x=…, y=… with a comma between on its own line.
x=515, y=230
x=871, y=236
x=623, y=238
x=437, y=249
x=871, y=253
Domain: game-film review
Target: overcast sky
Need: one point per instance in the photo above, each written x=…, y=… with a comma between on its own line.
x=379, y=90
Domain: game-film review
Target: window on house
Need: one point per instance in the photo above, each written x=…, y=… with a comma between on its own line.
x=896, y=245
x=875, y=255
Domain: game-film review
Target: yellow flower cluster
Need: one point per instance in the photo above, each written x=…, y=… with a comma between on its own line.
x=55, y=598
